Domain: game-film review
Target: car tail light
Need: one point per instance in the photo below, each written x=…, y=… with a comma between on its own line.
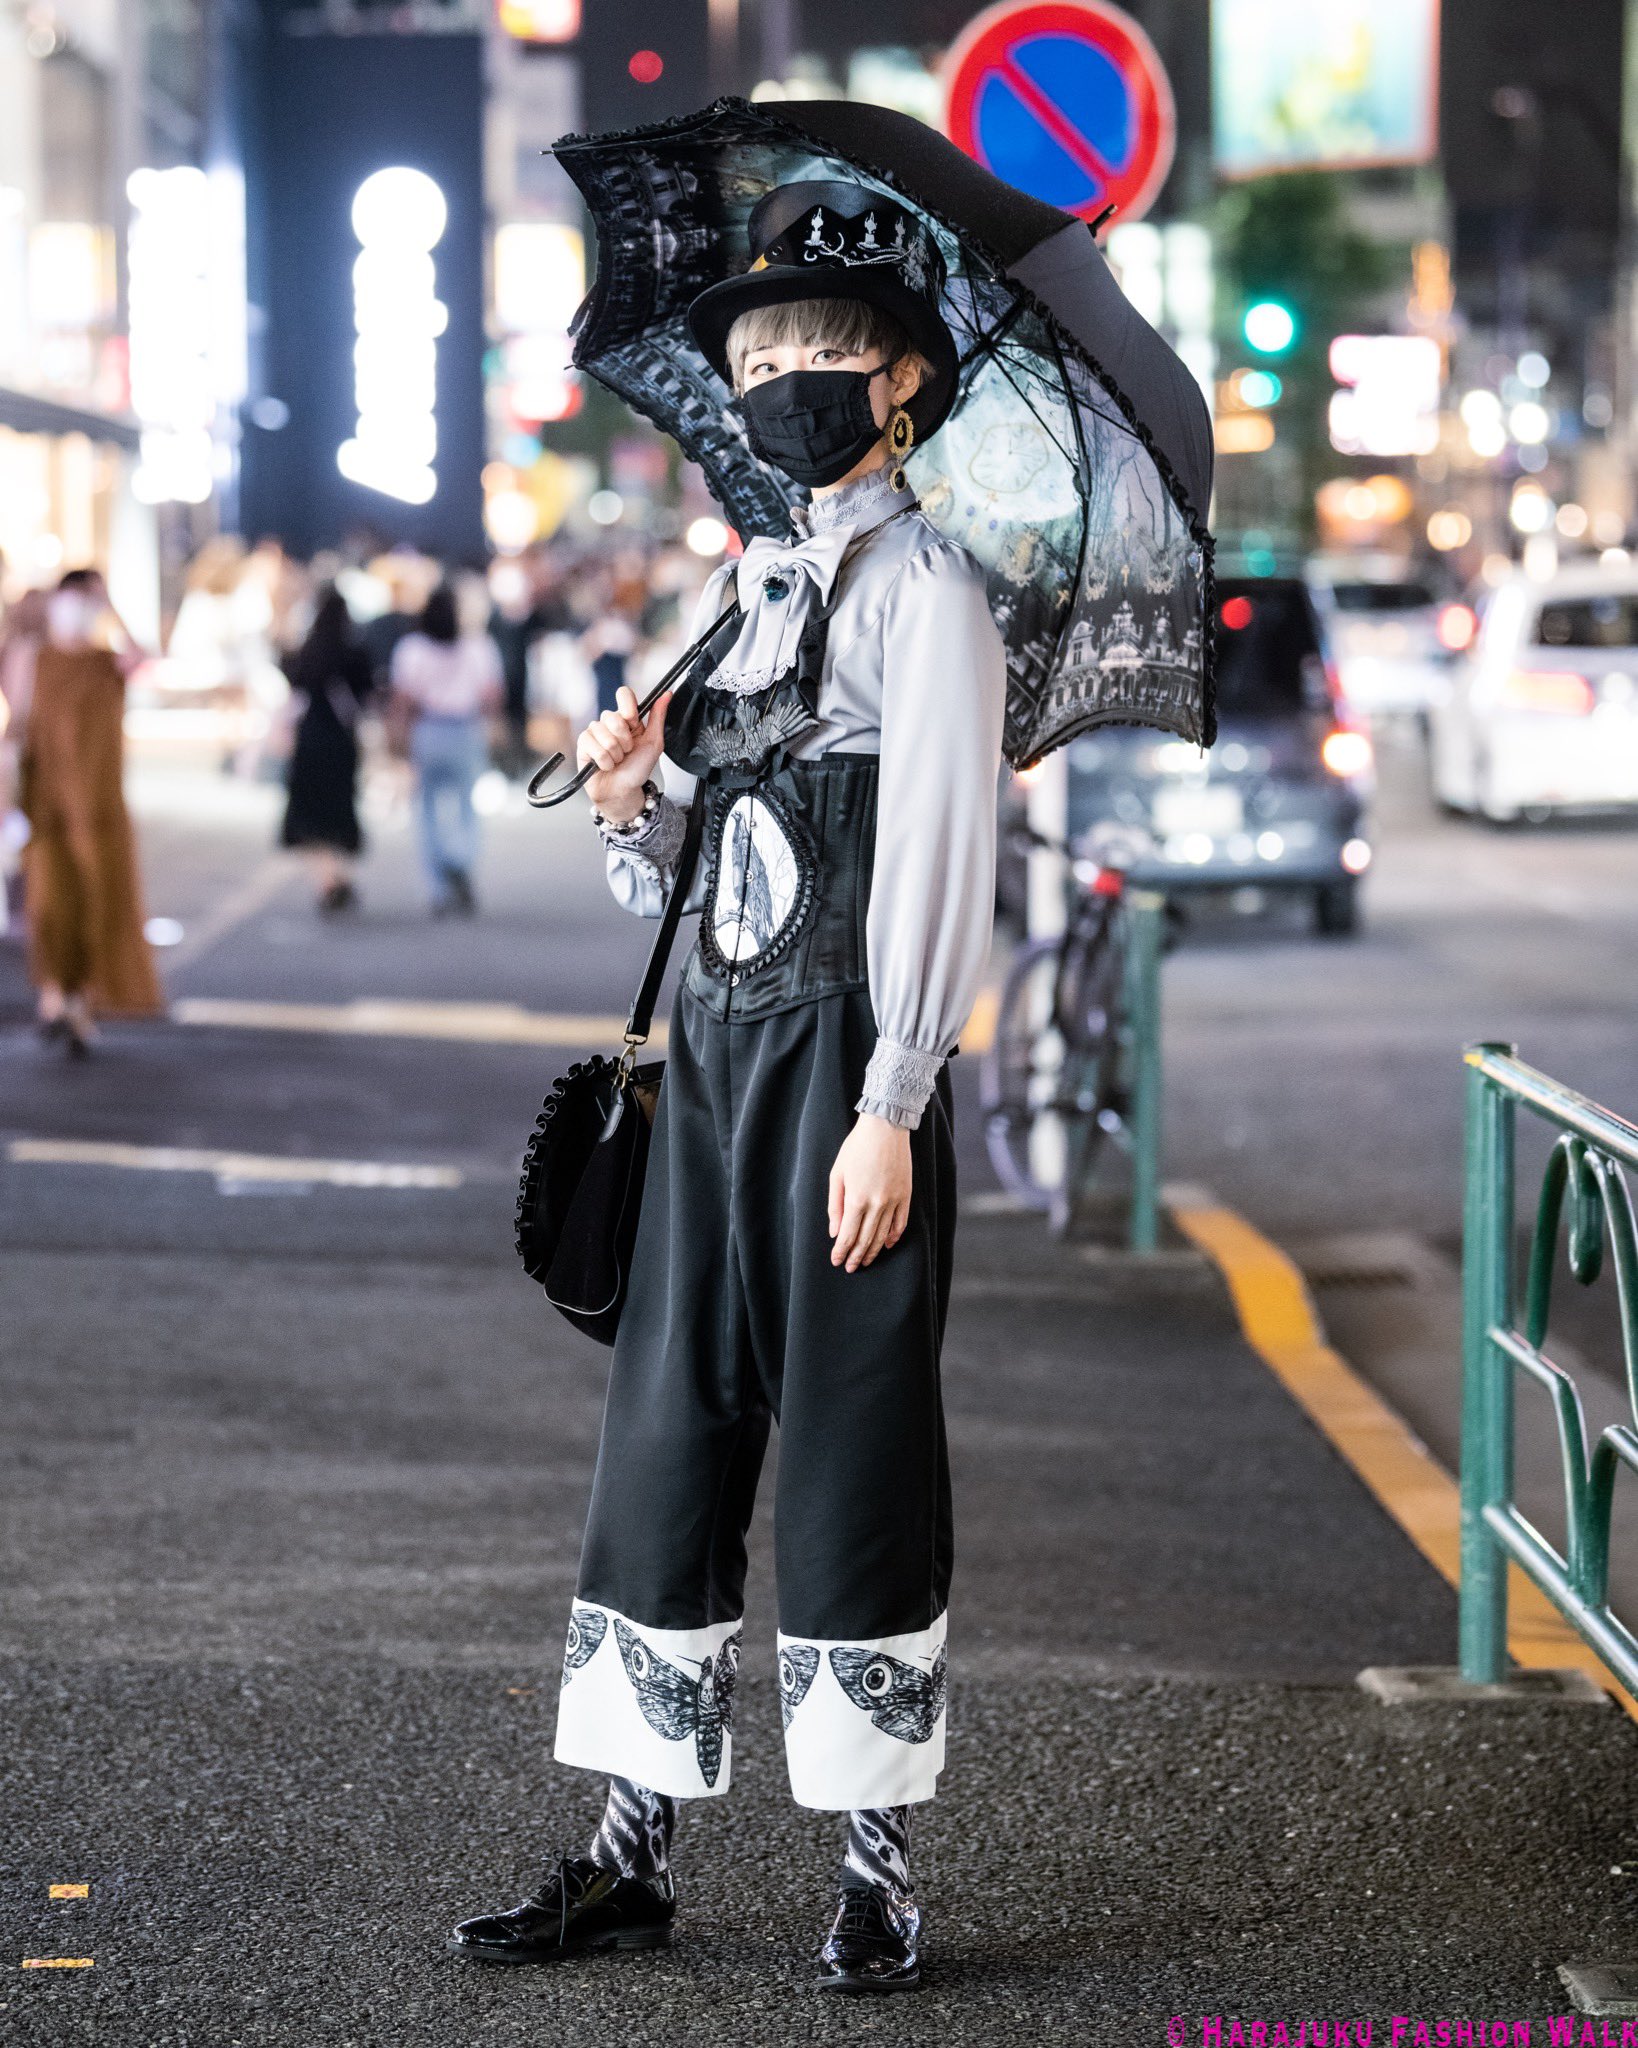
x=1547, y=689
x=1345, y=751
x=1457, y=625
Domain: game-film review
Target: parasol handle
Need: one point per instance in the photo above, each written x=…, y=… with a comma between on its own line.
x=644, y=706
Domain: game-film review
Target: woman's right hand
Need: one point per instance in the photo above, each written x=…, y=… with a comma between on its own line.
x=624, y=748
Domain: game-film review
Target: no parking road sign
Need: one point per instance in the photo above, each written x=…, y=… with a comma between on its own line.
x=1065, y=99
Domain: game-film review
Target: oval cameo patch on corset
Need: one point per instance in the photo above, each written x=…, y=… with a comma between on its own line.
x=761, y=888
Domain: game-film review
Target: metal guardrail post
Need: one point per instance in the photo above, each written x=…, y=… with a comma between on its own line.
x=1147, y=912
x=1487, y=1375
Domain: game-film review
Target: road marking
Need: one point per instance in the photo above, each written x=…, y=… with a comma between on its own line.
x=252, y=895
x=371, y=1017
x=1279, y=1322
x=479, y=1023
x=239, y=1166
x=58, y=1962
x=70, y=1891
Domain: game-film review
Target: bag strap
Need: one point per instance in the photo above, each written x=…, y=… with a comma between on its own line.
x=642, y=1009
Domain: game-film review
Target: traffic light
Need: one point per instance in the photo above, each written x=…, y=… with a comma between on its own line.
x=1269, y=326
x=642, y=61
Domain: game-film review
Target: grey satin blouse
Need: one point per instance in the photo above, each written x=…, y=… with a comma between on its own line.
x=915, y=671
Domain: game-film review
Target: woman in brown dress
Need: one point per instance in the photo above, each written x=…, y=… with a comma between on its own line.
x=87, y=952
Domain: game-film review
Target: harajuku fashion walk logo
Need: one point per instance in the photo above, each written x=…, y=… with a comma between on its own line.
x=1401, y=2030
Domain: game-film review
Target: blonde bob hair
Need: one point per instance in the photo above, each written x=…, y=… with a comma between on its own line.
x=852, y=325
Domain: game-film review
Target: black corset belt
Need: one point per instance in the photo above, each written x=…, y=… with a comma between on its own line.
x=787, y=856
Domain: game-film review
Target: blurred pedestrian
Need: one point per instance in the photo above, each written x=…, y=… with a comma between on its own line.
x=87, y=952
x=446, y=685
x=20, y=638
x=526, y=607
x=408, y=579
x=615, y=634
x=331, y=683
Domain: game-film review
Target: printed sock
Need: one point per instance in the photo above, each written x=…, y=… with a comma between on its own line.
x=634, y=1835
x=878, y=1849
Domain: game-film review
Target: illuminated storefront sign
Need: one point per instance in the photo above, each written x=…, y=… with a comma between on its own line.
x=540, y=21
x=1351, y=83
x=540, y=279
x=171, y=329
x=399, y=216
x=1389, y=404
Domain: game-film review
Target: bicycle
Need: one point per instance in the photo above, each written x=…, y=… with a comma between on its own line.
x=1054, y=1081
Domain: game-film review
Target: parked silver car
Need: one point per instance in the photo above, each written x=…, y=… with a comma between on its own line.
x=1279, y=803
x=1541, y=714
x=1387, y=630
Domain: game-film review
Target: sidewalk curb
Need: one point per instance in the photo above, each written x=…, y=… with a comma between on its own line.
x=1280, y=1322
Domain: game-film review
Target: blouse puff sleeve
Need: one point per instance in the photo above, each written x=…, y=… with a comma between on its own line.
x=931, y=914
x=642, y=858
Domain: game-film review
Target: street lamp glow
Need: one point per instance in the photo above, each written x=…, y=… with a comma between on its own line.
x=706, y=536
x=1449, y=528
x=1270, y=327
x=1534, y=369
x=1529, y=422
x=1531, y=510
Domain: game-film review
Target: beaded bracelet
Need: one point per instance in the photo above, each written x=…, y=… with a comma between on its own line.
x=651, y=804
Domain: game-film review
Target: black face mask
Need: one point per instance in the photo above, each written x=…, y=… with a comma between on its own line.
x=813, y=424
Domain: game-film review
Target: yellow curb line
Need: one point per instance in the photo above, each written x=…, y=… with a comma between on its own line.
x=58, y=1962
x=1280, y=1323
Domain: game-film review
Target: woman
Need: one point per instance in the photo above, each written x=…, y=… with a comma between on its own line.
x=20, y=636
x=449, y=683
x=87, y=952
x=330, y=679
x=794, y=1250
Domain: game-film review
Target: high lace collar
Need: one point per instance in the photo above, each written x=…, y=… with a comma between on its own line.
x=866, y=501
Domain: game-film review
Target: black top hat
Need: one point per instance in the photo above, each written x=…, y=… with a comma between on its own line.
x=827, y=238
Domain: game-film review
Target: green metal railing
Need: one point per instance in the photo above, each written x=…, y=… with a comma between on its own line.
x=1584, y=1172
x=1146, y=914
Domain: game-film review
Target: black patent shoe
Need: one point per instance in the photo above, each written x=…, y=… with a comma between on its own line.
x=580, y=1905
x=872, y=1942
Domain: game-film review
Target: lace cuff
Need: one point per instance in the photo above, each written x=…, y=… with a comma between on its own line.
x=899, y=1082
x=655, y=839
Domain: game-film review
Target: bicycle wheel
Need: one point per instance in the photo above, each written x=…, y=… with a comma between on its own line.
x=1051, y=1070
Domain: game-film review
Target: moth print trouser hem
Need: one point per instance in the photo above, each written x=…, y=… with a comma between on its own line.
x=736, y=1318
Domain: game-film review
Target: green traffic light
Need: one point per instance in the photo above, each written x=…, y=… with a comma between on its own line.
x=1270, y=327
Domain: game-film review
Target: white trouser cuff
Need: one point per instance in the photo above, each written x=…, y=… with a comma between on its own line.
x=655, y=1705
x=864, y=1721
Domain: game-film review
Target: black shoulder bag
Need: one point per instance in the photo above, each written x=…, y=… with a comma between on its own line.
x=583, y=1167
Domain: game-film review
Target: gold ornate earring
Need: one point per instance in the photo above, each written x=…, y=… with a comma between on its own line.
x=901, y=434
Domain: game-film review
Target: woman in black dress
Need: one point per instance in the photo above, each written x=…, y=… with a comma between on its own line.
x=331, y=679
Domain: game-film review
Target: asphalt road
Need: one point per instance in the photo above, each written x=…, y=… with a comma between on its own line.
x=293, y=1477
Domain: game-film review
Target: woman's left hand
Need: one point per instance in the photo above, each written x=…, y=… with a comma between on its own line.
x=869, y=1191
